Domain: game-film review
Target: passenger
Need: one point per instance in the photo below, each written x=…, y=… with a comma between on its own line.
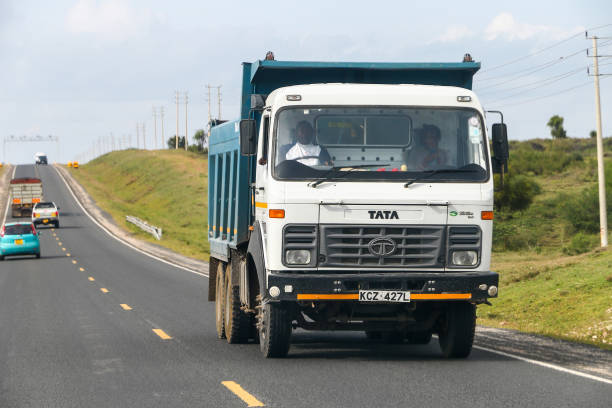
x=429, y=156
x=304, y=150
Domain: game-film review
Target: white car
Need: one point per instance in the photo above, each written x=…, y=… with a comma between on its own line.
x=46, y=213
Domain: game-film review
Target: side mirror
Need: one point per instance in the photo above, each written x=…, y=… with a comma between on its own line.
x=248, y=140
x=500, y=147
x=258, y=102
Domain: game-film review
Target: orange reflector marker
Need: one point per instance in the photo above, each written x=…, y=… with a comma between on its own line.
x=325, y=296
x=251, y=228
x=486, y=215
x=259, y=204
x=276, y=213
x=16, y=201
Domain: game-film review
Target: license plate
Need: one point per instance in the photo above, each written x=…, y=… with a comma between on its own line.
x=398, y=296
x=45, y=221
x=19, y=242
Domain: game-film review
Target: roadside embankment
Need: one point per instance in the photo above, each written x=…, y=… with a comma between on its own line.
x=166, y=188
x=122, y=233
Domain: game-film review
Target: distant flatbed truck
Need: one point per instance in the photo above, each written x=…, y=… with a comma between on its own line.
x=25, y=192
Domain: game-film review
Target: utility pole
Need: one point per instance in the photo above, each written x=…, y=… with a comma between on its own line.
x=144, y=137
x=155, y=126
x=219, y=101
x=603, y=216
x=186, y=131
x=137, y=136
x=161, y=114
x=176, y=139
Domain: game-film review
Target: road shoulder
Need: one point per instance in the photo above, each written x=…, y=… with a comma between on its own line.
x=4, y=190
x=111, y=227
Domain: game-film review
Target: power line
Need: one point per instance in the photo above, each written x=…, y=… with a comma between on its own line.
x=514, y=61
x=549, y=95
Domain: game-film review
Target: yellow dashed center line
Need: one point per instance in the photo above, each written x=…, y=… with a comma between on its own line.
x=81, y=269
x=68, y=254
x=57, y=239
x=104, y=290
x=125, y=307
x=63, y=249
x=74, y=261
x=162, y=334
x=59, y=243
x=240, y=392
x=91, y=279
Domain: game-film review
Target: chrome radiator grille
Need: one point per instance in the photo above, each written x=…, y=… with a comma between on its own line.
x=417, y=246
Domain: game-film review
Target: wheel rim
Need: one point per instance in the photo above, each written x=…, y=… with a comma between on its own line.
x=219, y=291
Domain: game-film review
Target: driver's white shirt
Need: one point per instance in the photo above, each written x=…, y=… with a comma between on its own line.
x=301, y=150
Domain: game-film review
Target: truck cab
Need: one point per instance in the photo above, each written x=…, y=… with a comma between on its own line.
x=352, y=197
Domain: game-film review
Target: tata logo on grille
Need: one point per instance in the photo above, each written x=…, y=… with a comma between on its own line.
x=382, y=246
x=383, y=215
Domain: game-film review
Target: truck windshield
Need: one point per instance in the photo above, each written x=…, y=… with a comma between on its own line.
x=380, y=143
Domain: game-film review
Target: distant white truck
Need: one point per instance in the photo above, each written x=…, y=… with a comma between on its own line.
x=25, y=192
x=40, y=158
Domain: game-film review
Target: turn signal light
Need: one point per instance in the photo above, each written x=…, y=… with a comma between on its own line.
x=55, y=214
x=276, y=213
x=486, y=215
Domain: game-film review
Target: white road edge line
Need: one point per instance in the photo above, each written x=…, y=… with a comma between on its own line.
x=119, y=239
x=527, y=360
x=8, y=198
x=547, y=365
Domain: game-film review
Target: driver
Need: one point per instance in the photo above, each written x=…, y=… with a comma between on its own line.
x=304, y=150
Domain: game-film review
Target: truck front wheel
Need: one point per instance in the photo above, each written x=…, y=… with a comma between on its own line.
x=274, y=325
x=456, y=335
x=220, y=301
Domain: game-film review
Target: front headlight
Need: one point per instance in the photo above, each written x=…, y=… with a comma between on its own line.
x=465, y=258
x=297, y=256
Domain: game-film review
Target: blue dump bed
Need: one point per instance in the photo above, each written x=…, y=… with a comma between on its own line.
x=230, y=174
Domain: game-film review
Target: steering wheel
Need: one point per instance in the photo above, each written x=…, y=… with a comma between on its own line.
x=305, y=157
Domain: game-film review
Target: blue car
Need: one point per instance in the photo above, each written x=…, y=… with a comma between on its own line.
x=19, y=238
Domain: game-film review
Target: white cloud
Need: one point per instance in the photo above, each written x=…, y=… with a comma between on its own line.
x=454, y=33
x=504, y=26
x=113, y=19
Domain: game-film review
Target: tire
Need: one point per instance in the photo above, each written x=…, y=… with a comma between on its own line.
x=274, y=324
x=1, y=257
x=57, y=224
x=38, y=255
x=419, y=337
x=237, y=323
x=220, y=301
x=373, y=335
x=457, y=334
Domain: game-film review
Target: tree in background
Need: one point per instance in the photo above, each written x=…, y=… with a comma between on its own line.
x=172, y=142
x=200, y=138
x=555, y=124
x=593, y=134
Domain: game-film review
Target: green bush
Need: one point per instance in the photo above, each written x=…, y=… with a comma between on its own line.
x=517, y=194
x=580, y=244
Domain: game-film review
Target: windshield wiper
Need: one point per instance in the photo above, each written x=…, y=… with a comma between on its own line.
x=331, y=173
x=431, y=173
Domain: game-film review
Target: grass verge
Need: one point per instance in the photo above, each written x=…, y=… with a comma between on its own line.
x=567, y=297
x=166, y=188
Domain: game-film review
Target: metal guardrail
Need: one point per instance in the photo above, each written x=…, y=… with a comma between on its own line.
x=143, y=225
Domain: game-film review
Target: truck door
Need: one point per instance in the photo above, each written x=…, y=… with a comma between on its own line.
x=261, y=173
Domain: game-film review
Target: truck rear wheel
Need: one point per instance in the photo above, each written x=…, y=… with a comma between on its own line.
x=220, y=301
x=457, y=333
x=237, y=323
x=274, y=324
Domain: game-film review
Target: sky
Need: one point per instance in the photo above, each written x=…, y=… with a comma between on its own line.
x=83, y=70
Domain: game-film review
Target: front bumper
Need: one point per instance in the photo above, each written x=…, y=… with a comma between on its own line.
x=423, y=286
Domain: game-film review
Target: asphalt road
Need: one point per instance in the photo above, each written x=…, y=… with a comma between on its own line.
x=64, y=342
